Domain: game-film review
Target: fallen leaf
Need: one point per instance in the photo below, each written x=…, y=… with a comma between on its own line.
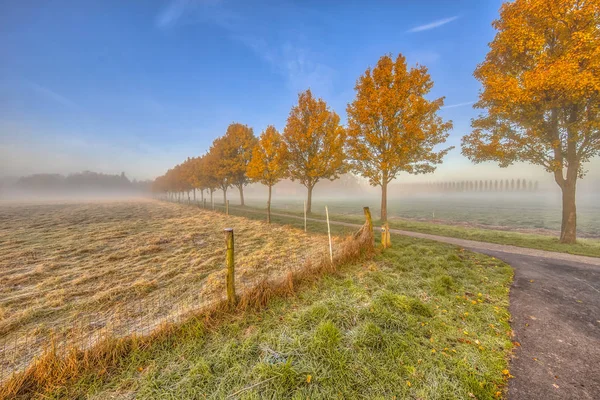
x=308, y=378
x=408, y=384
x=505, y=372
x=555, y=385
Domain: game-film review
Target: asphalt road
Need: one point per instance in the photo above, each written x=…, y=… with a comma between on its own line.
x=555, y=307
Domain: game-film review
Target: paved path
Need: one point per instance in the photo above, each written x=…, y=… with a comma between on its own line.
x=555, y=307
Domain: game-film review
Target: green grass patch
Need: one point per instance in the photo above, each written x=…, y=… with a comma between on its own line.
x=584, y=247
x=422, y=320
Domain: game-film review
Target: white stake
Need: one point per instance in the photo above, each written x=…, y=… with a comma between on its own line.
x=329, y=233
x=304, y=215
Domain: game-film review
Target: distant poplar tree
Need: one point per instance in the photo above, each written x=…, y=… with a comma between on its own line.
x=512, y=185
x=518, y=185
x=496, y=185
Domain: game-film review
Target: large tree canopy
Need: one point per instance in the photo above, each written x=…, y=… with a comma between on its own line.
x=237, y=146
x=541, y=93
x=315, y=140
x=392, y=127
x=269, y=162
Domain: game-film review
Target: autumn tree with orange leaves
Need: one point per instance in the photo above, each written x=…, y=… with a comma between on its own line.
x=541, y=94
x=216, y=165
x=238, y=143
x=269, y=162
x=392, y=127
x=315, y=141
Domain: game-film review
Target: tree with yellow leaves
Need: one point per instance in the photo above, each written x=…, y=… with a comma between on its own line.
x=315, y=141
x=217, y=164
x=541, y=94
x=237, y=146
x=392, y=127
x=269, y=162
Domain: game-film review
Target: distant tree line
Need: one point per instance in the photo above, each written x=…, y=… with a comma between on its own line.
x=81, y=181
x=498, y=185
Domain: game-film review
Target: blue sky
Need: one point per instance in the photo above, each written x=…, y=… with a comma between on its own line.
x=138, y=86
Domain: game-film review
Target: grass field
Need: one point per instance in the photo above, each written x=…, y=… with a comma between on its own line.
x=123, y=267
x=520, y=231
x=423, y=320
x=536, y=213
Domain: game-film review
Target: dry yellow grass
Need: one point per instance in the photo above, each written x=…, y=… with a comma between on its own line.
x=122, y=267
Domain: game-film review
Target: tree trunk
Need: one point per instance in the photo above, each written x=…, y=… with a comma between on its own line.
x=194, y=195
x=269, y=206
x=384, y=202
x=224, y=196
x=202, y=195
x=568, y=230
x=241, y=188
x=309, y=199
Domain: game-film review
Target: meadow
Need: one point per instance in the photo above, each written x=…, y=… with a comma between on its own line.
x=421, y=320
x=79, y=271
x=530, y=220
x=538, y=213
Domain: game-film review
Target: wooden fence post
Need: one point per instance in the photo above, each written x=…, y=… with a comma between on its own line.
x=368, y=218
x=369, y=221
x=231, y=298
x=386, y=240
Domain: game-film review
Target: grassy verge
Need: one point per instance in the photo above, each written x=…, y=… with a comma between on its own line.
x=422, y=320
x=584, y=247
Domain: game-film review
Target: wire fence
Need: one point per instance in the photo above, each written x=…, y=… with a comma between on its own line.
x=142, y=314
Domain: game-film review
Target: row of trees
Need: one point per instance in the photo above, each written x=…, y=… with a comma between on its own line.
x=519, y=185
x=392, y=127
x=540, y=99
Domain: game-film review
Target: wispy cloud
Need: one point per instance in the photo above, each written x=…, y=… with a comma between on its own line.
x=171, y=14
x=177, y=10
x=468, y=103
x=432, y=25
x=295, y=63
x=49, y=94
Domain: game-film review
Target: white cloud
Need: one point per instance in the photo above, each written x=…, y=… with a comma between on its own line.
x=432, y=25
x=51, y=95
x=468, y=103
